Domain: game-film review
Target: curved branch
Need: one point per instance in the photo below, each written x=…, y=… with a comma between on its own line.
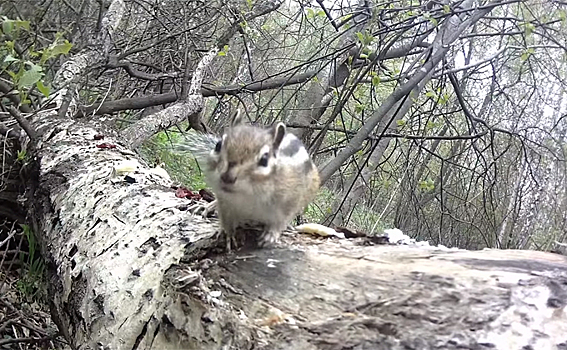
x=206, y=91
x=24, y=124
x=135, y=73
x=7, y=132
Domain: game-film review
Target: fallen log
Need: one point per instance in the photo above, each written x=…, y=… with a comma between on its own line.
x=130, y=268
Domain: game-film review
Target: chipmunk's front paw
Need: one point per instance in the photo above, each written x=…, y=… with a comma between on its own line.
x=205, y=209
x=268, y=238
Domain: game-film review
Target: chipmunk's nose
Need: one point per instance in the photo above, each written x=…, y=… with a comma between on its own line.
x=228, y=178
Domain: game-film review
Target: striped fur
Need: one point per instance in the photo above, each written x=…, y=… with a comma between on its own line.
x=261, y=176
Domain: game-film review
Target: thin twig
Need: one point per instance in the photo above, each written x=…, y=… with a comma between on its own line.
x=9, y=236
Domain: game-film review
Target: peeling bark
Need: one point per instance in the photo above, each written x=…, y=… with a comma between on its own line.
x=109, y=240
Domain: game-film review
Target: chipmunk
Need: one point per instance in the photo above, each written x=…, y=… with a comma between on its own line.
x=259, y=176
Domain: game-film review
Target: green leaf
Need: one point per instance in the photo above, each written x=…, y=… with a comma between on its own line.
x=22, y=24
x=376, y=80
x=61, y=48
x=55, y=50
x=446, y=9
x=13, y=75
x=526, y=54
x=42, y=88
x=365, y=38
x=524, y=57
x=401, y=122
x=529, y=28
x=21, y=155
x=33, y=54
x=432, y=20
x=224, y=51
x=10, y=45
x=310, y=13
x=7, y=26
x=30, y=77
x=426, y=185
x=10, y=58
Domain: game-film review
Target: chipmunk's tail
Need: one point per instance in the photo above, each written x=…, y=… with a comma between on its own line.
x=197, y=143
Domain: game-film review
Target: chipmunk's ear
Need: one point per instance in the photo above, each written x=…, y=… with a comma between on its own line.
x=237, y=119
x=278, y=132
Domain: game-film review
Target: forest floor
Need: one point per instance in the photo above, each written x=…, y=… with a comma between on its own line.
x=25, y=321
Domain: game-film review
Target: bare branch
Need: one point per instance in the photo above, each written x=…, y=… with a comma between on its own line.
x=446, y=37
x=24, y=124
x=8, y=132
x=137, y=73
x=206, y=91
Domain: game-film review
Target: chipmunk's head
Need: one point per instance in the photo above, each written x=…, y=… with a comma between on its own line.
x=246, y=156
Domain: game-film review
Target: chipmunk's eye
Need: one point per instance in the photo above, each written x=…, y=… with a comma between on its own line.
x=218, y=146
x=264, y=160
